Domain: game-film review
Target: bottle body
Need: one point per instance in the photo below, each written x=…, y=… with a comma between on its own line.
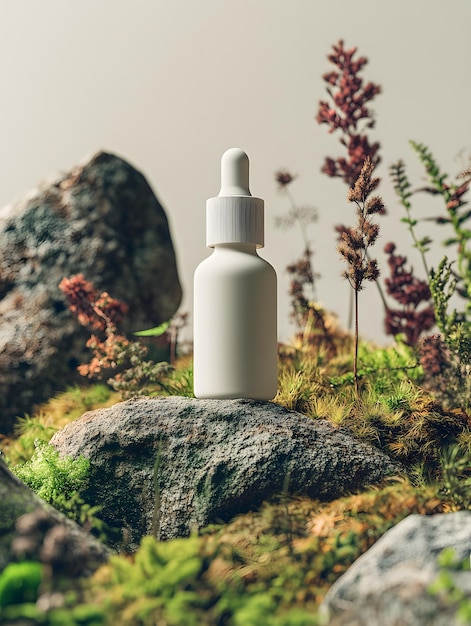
x=235, y=326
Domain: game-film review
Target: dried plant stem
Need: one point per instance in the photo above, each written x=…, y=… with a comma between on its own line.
x=350, y=312
x=355, y=352
x=355, y=241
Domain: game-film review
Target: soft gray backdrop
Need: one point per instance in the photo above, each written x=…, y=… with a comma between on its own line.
x=169, y=85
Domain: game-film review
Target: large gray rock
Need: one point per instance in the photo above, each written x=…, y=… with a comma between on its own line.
x=100, y=219
x=212, y=459
x=388, y=585
x=31, y=529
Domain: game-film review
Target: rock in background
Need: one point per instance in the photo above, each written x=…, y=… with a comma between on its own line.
x=388, y=585
x=100, y=219
x=212, y=459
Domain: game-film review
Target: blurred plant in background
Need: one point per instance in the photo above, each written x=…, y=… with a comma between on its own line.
x=410, y=292
x=307, y=315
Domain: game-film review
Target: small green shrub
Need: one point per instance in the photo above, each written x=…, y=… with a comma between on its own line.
x=51, y=476
x=59, y=481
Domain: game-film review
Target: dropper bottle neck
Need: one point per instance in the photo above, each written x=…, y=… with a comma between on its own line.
x=234, y=216
x=247, y=248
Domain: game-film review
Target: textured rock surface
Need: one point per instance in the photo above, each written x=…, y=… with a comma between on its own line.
x=30, y=528
x=215, y=458
x=388, y=584
x=100, y=219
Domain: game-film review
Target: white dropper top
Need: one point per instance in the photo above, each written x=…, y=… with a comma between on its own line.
x=234, y=216
x=235, y=173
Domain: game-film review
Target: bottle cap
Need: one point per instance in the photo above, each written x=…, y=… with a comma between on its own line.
x=234, y=216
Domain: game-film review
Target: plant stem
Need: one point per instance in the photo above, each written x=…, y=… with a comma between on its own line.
x=380, y=291
x=350, y=311
x=355, y=353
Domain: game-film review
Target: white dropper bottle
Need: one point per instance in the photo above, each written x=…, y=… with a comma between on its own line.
x=235, y=314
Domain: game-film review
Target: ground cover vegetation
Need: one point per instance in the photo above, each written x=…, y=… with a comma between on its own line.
x=411, y=399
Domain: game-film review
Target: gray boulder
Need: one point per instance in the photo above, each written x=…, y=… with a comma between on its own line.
x=100, y=219
x=210, y=460
x=388, y=585
x=31, y=529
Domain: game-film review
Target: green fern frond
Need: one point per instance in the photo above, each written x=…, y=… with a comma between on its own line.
x=401, y=183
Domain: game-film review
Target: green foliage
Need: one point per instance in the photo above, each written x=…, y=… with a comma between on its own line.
x=393, y=412
x=21, y=586
x=28, y=613
x=157, y=331
x=19, y=583
x=402, y=188
x=456, y=471
x=381, y=367
x=51, y=476
x=457, y=215
x=28, y=430
x=87, y=398
x=451, y=277
x=195, y=581
x=59, y=481
x=159, y=581
x=443, y=287
x=446, y=585
x=454, y=326
x=141, y=376
x=455, y=329
x=298, y=384
x=179, y=382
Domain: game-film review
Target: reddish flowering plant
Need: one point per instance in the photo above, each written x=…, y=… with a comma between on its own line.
x=98, y=311
x=410, y=292
x=347, y=111
x=113, y=353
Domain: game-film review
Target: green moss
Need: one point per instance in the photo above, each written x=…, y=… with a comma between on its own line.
x=60, y=481
x=51, y=476
x=19, y=583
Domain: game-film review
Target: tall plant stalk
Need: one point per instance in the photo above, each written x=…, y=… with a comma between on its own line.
x=355, y=242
